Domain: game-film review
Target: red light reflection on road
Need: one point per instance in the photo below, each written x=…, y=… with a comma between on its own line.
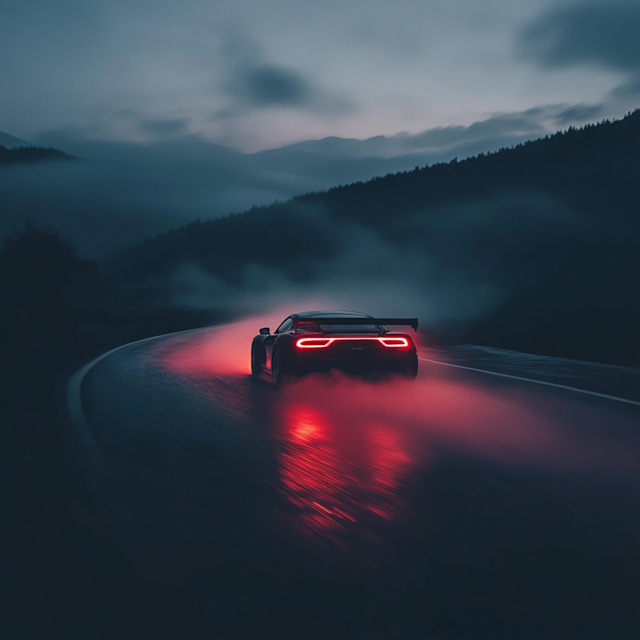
x=389, y=464
x=310, y=472
x=353, y=455
x=340, y=476
x=353, y=458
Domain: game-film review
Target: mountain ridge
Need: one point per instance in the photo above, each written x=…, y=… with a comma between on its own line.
x=544, y=237
x=20, y=155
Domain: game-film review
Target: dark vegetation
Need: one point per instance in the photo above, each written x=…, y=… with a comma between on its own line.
x=55, y=315
x=26, y=155
x=572, y=288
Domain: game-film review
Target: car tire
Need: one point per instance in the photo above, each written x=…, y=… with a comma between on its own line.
x=256, y=366
x=412, y=369
x=276, y=368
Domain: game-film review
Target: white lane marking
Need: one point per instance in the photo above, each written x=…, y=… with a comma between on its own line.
x=548, y=384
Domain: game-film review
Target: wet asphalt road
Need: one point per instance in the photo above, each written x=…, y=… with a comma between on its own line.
x=455, y=506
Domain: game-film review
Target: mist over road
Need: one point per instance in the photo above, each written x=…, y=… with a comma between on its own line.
x=458, y=505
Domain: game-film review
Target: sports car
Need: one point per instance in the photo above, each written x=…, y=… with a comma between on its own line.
x=324, y=340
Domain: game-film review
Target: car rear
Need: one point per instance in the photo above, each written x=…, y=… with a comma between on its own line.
x=361, y=351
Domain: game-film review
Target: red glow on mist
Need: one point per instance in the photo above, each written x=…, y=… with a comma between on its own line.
x=223, y=350
x=438, y=413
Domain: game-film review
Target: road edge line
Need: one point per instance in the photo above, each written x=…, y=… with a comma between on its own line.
x=548, y=384
x=77, y=418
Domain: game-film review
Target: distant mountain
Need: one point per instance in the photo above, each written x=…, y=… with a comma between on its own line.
x=337, y=161
x=28, y=155
x=11, y=142
x=333, y=160
x=16, y=151
x=428, y=143
x=535, y=248
x=125, y=191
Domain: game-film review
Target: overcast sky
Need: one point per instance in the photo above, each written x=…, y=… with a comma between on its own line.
x=258, y=74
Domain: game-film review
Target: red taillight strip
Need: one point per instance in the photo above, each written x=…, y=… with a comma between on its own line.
x=314, y=343
x=319, y=343
x=394, y=342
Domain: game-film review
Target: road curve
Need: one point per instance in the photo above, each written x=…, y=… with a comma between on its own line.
x=459, y=504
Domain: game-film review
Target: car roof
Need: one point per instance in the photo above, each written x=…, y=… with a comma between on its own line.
x=330, y=314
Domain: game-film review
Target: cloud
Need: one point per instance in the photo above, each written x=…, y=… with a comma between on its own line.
x=600, y=33
x=628, y=90
x=449, y=268
x=532, y=122
x=164, y=127
x=444, y=143
x=252, y=83
x=604, y=33
x=578, y=113
x=118, y=192
x=268, y=85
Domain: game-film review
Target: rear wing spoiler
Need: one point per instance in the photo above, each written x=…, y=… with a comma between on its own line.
x=411, y=322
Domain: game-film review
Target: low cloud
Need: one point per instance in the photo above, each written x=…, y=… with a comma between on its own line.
x=602, y=33
x=167, y=127
x=119, y=193
x=447, y=266
x=503, y=128
x=579, y=113
x=268, y=85
x=628, y=90
x=252, y=82
x=444, y=143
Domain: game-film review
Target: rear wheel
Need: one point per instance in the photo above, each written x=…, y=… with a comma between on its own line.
x=276, y=369
x=256, y=367
x=412, y=369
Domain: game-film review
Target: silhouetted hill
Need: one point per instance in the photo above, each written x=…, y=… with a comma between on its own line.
x=27, y=155
x=587, y=168
x=552, y=224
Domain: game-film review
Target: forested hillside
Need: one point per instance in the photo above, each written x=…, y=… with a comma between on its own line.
x=551, y=226
x=26, y=155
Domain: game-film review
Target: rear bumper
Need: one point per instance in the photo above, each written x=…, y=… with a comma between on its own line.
x=360, y=365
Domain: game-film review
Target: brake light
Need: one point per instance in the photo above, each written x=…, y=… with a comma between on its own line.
x=319, y=343
x=394, y=342
x=314, y=343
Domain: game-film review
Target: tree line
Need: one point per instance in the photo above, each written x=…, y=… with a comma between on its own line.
x=28, y=155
